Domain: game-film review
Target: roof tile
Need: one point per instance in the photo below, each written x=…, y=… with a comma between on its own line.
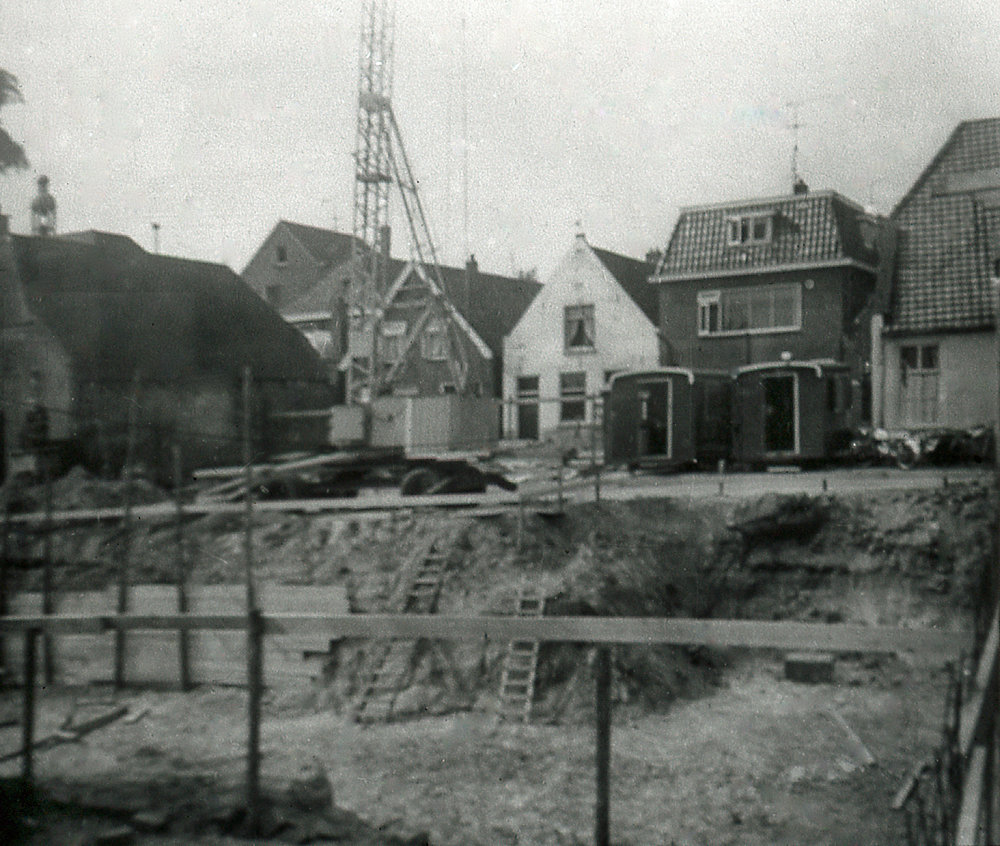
x=948, y=237
x=807, y=228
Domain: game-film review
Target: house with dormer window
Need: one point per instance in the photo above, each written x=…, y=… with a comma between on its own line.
x=934, y=336
x=757, y=281
x=595, y=316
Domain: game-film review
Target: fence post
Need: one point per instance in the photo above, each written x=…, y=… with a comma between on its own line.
x=48, y=603
x=28, y=716
x=126, y=562
x=3, y=578
x=183, y=639
x=255, y=627
x=602, y=805
x=255, y=681
x=248, y=497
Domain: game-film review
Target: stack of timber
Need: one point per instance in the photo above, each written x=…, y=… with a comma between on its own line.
x=517, y=686
x=391, y=664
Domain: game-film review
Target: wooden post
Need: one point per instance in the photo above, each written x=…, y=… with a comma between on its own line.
x=28, y=717
x=126, y=562
x=602, y=804
x=48, y=602
x=180, y=562
x=3, y=576
x=255, y=628
x=594, y=467
x=248, y=498
x=255, y=681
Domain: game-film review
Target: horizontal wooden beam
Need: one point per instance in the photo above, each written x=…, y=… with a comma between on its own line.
x=385, y=502
x=754, y=634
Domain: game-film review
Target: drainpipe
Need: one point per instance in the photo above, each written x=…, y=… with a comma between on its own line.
x=878, y=371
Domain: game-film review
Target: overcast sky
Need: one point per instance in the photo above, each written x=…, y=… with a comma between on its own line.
x=217, y=118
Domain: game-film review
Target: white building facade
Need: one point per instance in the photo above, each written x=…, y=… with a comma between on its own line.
x=584, y=325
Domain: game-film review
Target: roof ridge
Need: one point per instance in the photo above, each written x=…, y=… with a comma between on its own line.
x=780, y=198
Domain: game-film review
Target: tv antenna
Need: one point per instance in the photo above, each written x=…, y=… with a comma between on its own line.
x=795, y=124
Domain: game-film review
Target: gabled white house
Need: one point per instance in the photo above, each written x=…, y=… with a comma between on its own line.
x=595, y=316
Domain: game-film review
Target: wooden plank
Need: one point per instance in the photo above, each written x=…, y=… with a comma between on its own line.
x=217, y=651
x=984, y=694
x=648, y=630
x=967, y=830
x=382, y=502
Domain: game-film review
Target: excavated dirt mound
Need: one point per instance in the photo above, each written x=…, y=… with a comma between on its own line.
x=711, y=746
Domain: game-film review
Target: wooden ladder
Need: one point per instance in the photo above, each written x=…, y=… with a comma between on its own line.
x=517, y=686
x=393, y=663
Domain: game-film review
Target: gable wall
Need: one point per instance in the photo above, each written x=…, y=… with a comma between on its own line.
x=421, y=377
x=295, y=277
x=624, y=338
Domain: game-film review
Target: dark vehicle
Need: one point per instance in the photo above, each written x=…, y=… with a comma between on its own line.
x=793, y=412
x=668, y=418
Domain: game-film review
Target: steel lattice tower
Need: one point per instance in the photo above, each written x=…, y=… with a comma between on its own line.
x=380, y=160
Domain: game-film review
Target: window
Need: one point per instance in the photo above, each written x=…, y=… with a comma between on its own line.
x=750, y=229
x=770, y=308
x=579, y=328
x=527, y=387
x=280, y=254
x=434, y=341
x=573, y=397
x=919, y=381
x=391, y=343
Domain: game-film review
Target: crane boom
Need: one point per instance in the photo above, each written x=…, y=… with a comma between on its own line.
x=380, y=160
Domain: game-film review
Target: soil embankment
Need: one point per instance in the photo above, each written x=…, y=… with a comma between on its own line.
x=710, y=746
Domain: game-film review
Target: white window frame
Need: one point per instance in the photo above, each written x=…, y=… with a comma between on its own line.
x=713, y=312
x=742, y=229
x=434, y=340
x=580, y=313
x=391, y=334
x=572, y=397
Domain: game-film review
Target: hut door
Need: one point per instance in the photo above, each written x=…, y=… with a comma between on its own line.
x=655, y=414
x=780, y=413
x=527, y=408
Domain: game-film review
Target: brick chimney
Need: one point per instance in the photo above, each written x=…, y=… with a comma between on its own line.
x=470, y=280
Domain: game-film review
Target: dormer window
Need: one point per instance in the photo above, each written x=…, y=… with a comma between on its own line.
x=750, y=229
x=280, y=254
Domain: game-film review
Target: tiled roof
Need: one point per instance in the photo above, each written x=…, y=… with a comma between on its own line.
x=949, y=231
x=811, y=228
x=325, y=245
x=493, y=306
x=494, y=303
x=633, y=275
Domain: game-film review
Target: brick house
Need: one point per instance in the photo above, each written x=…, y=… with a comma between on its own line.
x=934, y=337
x=761, y=280
x=305, y=271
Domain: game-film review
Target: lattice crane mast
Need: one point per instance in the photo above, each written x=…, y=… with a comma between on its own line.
x=380, y=159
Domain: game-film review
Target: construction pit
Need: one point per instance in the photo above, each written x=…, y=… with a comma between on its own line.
x=709, y=745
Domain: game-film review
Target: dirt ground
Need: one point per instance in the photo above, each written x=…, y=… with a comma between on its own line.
x=708, y=747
